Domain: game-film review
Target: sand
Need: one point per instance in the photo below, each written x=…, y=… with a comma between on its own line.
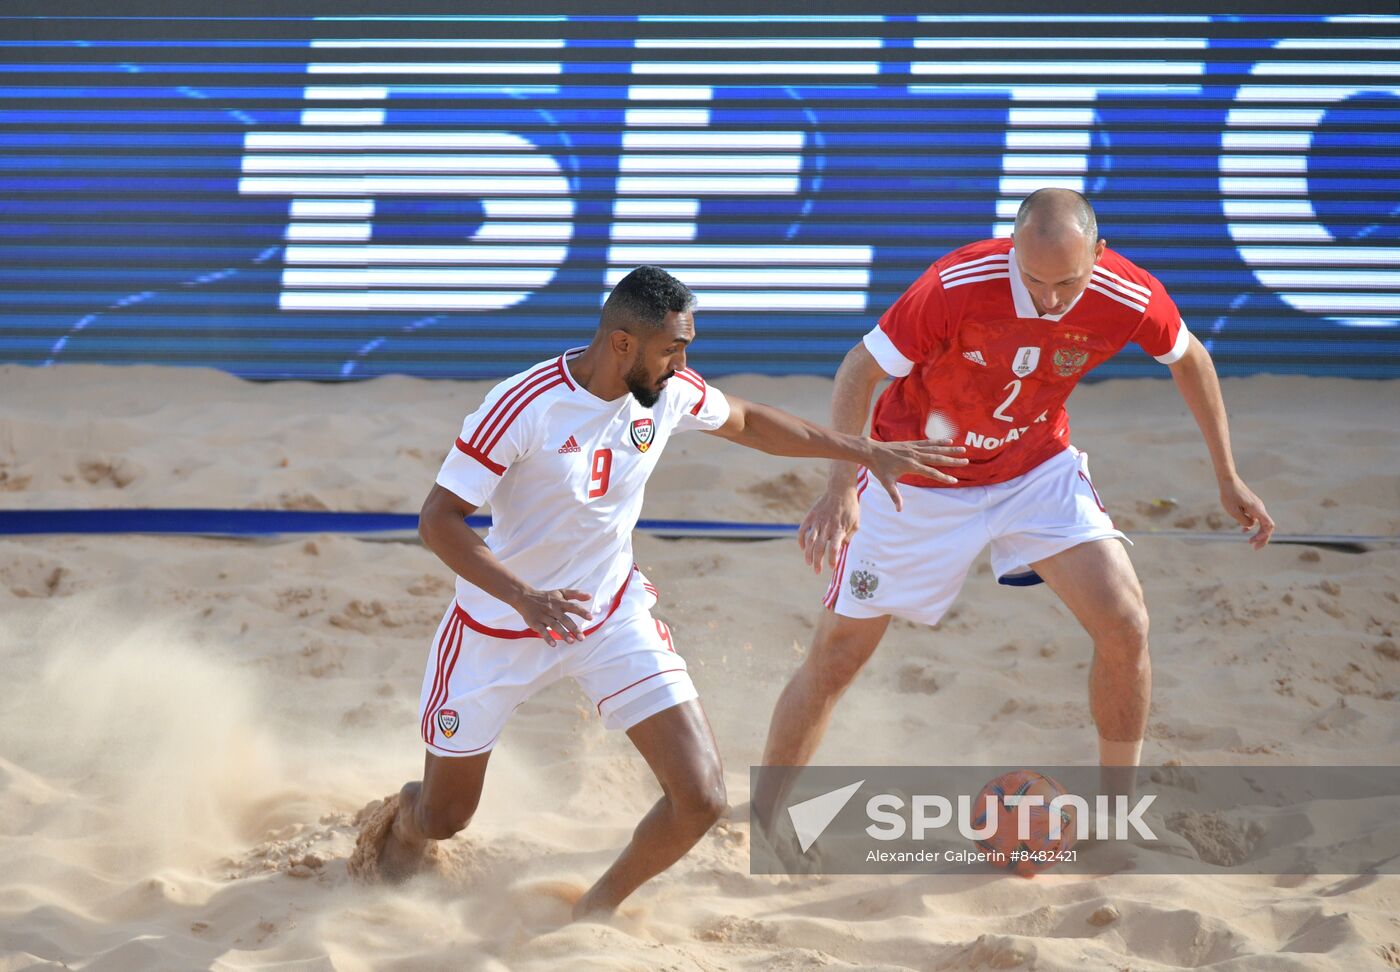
x=192, y=725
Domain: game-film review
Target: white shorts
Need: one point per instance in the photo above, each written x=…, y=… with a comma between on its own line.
x=628, y=667
x=912, y=564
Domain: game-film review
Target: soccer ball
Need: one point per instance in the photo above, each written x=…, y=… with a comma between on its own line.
x=1037, y=851
x=939, y=426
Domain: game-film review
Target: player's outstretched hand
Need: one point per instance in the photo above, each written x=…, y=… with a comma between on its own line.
x=1248, y=510
x=546, y=613
x=829, y=526
x=895, y=459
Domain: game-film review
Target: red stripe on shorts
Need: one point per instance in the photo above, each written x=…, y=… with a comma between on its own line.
x=446, y=683
x=834, y=590
x=634, y=685
x=454, y=627
x=512, y=634
x=468, y=752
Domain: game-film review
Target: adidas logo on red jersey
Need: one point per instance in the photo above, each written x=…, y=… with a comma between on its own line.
x=975, y=357
x=570, y=446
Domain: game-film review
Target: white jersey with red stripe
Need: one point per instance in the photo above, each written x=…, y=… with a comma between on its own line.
x=565, y=473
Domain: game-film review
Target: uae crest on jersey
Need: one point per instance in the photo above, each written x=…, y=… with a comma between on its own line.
x=1067, y=361
x=643, y=431
x=448, y=722
x=1025, y=361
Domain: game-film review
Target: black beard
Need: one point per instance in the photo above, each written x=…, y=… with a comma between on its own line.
x=636, y=381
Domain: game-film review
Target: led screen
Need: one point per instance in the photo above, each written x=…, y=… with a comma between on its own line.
x=348, y=196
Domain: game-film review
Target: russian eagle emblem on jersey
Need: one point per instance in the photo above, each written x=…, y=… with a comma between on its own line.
x=1025, y=361
x=1068, y=360
x=448, y=722
x=643, y=431
x=863, y=584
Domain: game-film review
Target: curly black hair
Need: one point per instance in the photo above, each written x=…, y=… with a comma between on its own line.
x=645, y=296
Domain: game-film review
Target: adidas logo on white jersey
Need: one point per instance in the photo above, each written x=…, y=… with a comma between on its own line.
x=570, y=446
x=975, y=357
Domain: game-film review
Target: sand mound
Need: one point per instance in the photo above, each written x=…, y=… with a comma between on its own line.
x=375, y=821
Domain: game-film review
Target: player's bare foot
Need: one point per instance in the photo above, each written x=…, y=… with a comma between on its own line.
x=592, y=906
x=383, y=853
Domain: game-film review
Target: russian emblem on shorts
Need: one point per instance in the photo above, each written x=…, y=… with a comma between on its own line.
x=448, y=722
x=1067, y=361
x=643, y=431
x=863, y=584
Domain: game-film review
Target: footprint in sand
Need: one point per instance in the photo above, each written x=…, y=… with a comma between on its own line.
x=13, y=482
x=102, y=472
x=1000, y=952
x=544, y=904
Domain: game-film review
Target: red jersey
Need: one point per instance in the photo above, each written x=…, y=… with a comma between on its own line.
x=974, y=362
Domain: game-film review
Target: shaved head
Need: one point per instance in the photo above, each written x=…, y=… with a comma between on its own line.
x=1056, y=240
x=1056, y=216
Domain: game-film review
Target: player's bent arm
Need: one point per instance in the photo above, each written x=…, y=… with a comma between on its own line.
x=442, y=523
x=856, y=380
x=1196, y=380
x=1198, y=384
x=443, y=527
x=835, y=517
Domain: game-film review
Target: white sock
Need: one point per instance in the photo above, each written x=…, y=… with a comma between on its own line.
x=1118, y=762
x=1113, y=752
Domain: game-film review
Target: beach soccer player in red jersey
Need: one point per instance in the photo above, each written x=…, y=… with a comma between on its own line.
x=984, y=348
x=563, y=452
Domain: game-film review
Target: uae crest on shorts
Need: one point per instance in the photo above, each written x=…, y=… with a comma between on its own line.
x=863, y=584
x=448, y=722
x=643, y=431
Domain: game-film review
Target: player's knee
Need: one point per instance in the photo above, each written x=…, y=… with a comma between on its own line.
x=1124, y=636
x=703, y=799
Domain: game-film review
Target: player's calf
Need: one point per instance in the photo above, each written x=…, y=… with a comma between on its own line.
x=443, y=817
x=1120, y=693
x=840, y=649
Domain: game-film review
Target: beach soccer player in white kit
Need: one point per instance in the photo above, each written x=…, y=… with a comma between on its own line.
x=563, y=451
x=984, y=348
